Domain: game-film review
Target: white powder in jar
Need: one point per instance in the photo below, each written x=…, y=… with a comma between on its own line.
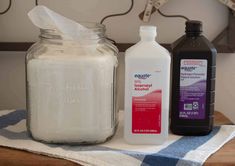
x=71, y=97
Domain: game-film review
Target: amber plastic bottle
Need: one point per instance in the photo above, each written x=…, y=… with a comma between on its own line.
x=193, y=83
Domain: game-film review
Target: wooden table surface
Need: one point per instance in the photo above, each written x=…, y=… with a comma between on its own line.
x=225, y=156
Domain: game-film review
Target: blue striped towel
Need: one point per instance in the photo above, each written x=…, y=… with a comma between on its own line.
x=177, y=150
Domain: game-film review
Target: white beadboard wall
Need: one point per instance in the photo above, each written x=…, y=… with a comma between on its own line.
x=16, y=27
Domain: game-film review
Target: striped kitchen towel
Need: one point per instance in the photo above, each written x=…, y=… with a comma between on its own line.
x=177, y=150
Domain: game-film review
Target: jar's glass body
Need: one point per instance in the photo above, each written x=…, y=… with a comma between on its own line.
x=71, y=89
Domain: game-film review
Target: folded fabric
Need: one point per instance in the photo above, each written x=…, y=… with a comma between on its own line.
x=177, y=150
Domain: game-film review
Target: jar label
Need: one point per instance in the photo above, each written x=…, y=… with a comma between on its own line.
x=193, y=82
x=146, y=103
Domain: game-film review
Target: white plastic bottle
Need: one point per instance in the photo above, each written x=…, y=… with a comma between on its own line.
x=147, y=88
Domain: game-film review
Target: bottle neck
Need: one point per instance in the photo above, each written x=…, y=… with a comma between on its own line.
x=193, y=28
x=193, y=34
x=148, y=38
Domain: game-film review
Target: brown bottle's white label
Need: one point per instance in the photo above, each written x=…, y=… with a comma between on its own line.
x=193, y=82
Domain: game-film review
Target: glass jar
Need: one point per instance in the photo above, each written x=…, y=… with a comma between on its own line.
x=71, y=88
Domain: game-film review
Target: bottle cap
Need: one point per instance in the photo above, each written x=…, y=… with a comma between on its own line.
x=149, y=30
x=193, y=26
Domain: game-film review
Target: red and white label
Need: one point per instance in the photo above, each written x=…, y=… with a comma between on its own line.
x=146, y=104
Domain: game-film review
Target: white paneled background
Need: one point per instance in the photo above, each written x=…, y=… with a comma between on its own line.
x=16, y=27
